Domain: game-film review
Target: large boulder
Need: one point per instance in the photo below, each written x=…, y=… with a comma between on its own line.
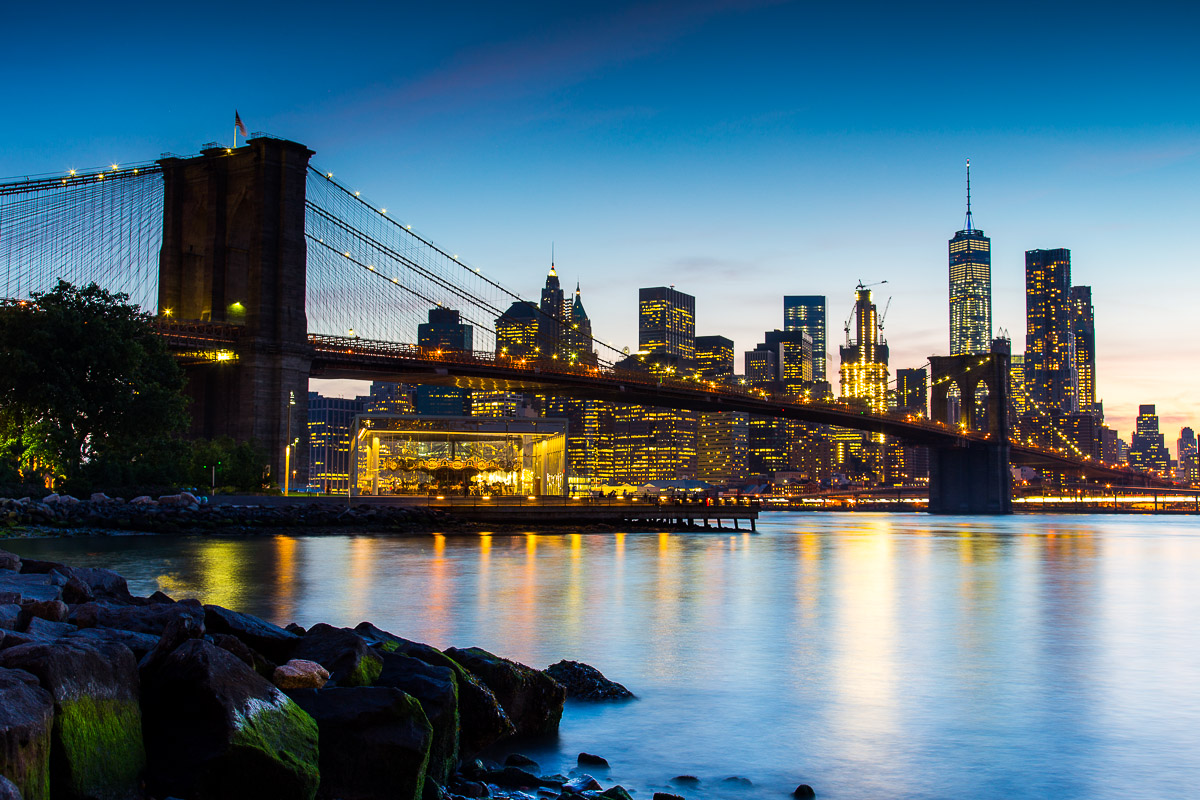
x=347, y=656
x=436, y=689
x=375, y=741
x=10, y=561
x=272, y=641
x=97, y=742
x=138, y=643
x=482, y=720
x=26, y=724
x=532, y=699
x=216, y=729
x=151, y=619
x=584, y=682
x=22, y=588
x=9, y=614
x=103, y=583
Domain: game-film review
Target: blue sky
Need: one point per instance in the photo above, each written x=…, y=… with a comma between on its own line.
x=740, y=150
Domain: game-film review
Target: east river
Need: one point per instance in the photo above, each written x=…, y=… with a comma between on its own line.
x=867, y=655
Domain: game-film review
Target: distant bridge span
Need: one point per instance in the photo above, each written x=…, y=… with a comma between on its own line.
x=344, y=357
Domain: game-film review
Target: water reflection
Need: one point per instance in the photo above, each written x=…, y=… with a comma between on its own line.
x=953, y=658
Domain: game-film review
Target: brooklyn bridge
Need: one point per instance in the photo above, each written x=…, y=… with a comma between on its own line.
x=263, y=271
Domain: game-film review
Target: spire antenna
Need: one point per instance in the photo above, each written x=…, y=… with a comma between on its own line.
x=969, y=225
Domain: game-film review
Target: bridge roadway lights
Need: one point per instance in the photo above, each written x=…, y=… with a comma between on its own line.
x=973, y=479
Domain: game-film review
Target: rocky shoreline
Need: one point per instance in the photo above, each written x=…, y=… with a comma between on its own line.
x=183, y=513
x=104, y=694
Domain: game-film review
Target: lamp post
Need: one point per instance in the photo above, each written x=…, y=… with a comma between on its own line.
x=287, y=450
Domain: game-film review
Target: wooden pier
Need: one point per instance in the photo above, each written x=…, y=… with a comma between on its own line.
x=561, y=511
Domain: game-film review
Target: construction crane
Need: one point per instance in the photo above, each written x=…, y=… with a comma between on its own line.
x=850, y=318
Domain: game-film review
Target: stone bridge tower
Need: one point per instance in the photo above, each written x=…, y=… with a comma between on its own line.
x=972, y=478
x=234, y=254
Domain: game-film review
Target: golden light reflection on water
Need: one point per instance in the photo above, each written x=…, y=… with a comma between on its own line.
x=865, y=653
x=220, y=575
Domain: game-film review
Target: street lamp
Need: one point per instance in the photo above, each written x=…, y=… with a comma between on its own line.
x=287, y=450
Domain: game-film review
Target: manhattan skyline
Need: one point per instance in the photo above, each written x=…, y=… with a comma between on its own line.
x=741, y=151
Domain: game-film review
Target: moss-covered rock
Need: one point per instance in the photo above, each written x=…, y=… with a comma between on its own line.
x=216, y=729
x=347, y=656
x=26, y=724
x=436, y=689
x=534, y=701
x=482, y=720
x=97, y=733
x=375, y=741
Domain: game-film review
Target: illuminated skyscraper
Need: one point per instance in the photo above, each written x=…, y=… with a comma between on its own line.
x=578, y=335
x=329, y=422
x=552, y=320
x=1083, y=329
x=714, y=357
x=667, y=324
x=912, y=391
x=807, y=313
x=1147, y=451
x=865, y=359
x=1050, y=382
x=517, y=331
x=970, y=287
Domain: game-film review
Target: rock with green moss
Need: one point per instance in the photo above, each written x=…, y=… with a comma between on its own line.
x=348, y=657
x=97, y=734
x=436, y=689
x=482, y=720
x=26, y=726
x=534, y=701
x=216, y=729
x=375, y=741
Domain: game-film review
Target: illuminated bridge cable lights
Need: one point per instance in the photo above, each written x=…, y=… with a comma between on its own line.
x=101, y=225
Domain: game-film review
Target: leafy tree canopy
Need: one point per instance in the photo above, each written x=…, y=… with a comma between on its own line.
x=88, y=393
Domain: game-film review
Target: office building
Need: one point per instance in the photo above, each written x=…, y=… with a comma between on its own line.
x=1016, y=384
x=1188, y=456
x=578, y=335
x=1050, y=378
x=721, y=446
x=389, y=398
x=652, y=444
x=552, y=319
x=970, y=287
x=445, y=330
x=667, y=325
x=864, y=370
x=714, y=357
x=517, y=331
x=1083, y=331
x=1146, y=450
x=912, y=391
x=330, y=422
x=795, y=354
x=807, y=313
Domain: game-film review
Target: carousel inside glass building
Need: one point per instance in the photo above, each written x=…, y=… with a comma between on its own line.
x=457, y=456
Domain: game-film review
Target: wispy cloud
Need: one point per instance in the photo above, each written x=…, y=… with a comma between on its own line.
x=534, y=63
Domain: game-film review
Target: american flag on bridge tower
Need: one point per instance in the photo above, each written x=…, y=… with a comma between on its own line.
x=237, y=123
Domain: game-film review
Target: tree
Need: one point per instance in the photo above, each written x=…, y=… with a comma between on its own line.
x=88, y=393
